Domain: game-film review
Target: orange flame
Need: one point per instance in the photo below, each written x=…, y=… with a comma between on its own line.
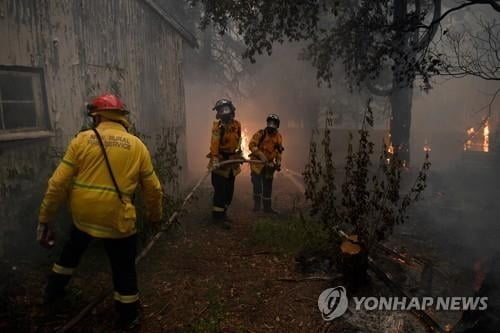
x=390, y=150
x=486, y=137
x=245, y=141
x=474, y=141
x=427, y=147
x=468, y=143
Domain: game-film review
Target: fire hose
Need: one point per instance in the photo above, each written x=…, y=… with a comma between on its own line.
x=164, y=227
x=423, y=317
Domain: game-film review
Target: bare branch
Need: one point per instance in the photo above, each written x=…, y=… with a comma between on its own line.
x=473, y=53
x=493, y=3
x=429, y=35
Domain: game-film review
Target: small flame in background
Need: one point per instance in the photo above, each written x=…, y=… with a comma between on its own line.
x=474, y=140
x=486, y=137
x=245, y=141
x=470, y=135
x=427, y=147
x=390, y=150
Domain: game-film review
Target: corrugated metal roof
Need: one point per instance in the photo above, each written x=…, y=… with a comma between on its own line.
x=185, y=33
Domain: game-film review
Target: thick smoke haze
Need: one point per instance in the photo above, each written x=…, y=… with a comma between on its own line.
x=458, y=205
x=281, y=84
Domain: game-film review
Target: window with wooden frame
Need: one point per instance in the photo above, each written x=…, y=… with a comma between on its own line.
x=23, y=112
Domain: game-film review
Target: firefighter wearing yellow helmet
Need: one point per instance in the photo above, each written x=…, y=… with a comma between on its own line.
x=225, y=144
x=100, y=171
x=266, y=145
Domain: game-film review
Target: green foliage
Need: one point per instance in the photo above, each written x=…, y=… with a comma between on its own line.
x=167, y=168
x=291, y=235
x=368, y=202
x=365, y=36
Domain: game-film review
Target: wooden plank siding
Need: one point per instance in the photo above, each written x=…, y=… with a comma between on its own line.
x=84, y=48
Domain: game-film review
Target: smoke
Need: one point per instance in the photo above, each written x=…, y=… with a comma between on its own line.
x=280, y=84
x=459, y=214
x=442, y=116
x=460, y=211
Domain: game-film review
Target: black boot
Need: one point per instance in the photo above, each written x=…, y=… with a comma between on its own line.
x=227, y=218
x=55, y=287
x=128, y=316
x=256, y=202
x=268, y=208
x=220, y=219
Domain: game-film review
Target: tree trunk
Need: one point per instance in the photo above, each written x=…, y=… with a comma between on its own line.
x=402, y=91
x=354, y=262
x=401, y=105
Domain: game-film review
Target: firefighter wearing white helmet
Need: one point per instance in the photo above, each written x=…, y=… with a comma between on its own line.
x=266, y=145
x=225, y=144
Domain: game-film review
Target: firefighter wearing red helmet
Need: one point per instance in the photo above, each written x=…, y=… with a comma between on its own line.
x=225, y=145
x=266, y=145
x=100, y=170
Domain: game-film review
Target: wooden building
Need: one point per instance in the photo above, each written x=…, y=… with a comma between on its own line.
x=57, y=54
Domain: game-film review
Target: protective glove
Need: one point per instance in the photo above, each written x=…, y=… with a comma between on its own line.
x=215, y=163
x=261, y=156
x=45, y=235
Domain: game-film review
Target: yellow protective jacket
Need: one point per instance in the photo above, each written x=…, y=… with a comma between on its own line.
x=93, y=200
x=271, y=144
x=225, y=144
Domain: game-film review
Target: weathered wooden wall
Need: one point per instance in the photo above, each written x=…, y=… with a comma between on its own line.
x=85, y=48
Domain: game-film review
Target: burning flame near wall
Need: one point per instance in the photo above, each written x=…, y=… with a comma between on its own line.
x=476, y=141
x=470, y=135
x=245, y=141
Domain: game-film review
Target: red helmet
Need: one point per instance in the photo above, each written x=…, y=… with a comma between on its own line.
x=106, y=102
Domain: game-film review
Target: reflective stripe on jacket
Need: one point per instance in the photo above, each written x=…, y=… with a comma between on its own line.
x=226, y=147
x=268, y=143
x=83, y=175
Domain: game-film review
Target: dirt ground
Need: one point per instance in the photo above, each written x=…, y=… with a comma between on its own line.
x=201, y=278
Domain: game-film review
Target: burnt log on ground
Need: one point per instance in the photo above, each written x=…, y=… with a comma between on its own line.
x=353, y=262
x=431, y=325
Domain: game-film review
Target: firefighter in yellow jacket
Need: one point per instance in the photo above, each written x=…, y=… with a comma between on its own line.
x=225, y=145
x=100, y=200
x=267, y=146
